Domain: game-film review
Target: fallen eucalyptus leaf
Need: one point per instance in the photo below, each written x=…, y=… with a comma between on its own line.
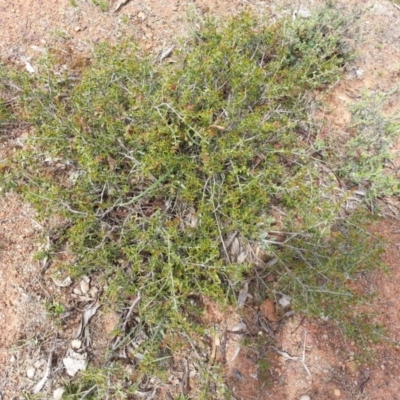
x=80, y=298
x=93, y=292
x=29, y=67
x=39, y=386
x=77, y=291
x=121, y=4
x=240, y=327
x=242, y=257
x=84, y=286
x=235, y=247
x=88, y=313
x=63, y=283
x=243, y=295
x=166, y=53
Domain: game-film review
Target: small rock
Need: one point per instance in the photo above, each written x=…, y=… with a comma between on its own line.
x=84, y=287
x=305, y=397
x=76, y=344
x=58, y=394
x=192, y=374
x=359, y=73
x=30, y=372
x=77, y=29
x=13, y=359
x=63, y=283
x=77, y=291
x=93, y=292
x=74, y=362
x=337, y=393
x=239, y=327
x=142, y=16
x=284, y=301
x=304, y=13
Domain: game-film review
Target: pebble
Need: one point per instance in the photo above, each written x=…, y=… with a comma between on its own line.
x=304, y=13
x=305, y=397
x=76, y=344
x=141, y=15
x=84, y=286
x=30, y=372
x=58, y=393
x=337, y=393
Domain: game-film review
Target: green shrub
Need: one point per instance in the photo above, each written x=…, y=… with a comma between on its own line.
x=154, y=167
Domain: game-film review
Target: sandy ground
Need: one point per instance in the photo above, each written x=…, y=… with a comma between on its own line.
x=325, y=367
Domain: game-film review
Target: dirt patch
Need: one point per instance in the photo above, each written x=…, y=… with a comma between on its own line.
x=22, y=312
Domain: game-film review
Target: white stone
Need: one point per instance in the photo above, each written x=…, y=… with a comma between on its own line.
x=58, y=393
x=76, y=344
x=30, y=372
x=304, y=13
x=74, y=362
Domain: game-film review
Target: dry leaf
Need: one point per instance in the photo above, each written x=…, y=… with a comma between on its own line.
x=215, y=345
x=87, y=315
x=235, y=247
x=166, y=53
x=267, y=309
x=39, y=386
x=65, y=283
x=185, y=377
x=243, y=295
x=29, y=67
x=93, y=292
x=240, y=327
x=219, y=127
x=81, y=299
x=242, y=257
x=84, y=286
x=121, y=4
x=191, y=219
x=270, y=278
x=77, y=291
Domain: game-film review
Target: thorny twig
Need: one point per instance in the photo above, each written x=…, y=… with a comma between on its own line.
x=39, y=386
x=302, y=359
x=133, y=305
x=219, y=227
